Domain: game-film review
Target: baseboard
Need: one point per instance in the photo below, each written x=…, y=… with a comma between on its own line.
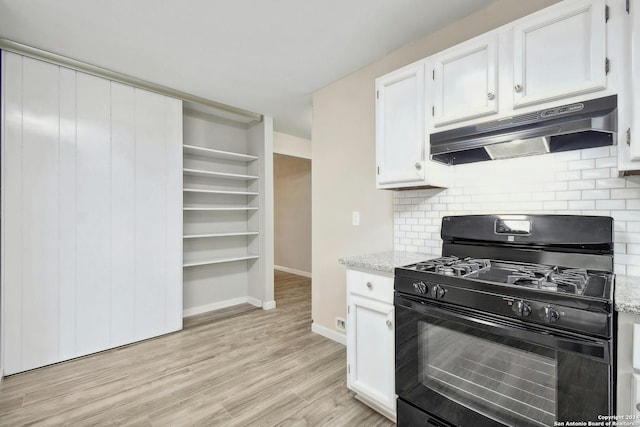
x=269, y=305
x=336, y=336
x=292, y=271
x=215, y=306
x=254, y=301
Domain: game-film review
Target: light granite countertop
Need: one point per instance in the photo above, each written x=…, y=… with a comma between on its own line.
x=627, y=296
x=383, y=261
x=627, y=292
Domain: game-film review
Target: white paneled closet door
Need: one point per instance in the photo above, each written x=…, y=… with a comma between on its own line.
x=91, y=214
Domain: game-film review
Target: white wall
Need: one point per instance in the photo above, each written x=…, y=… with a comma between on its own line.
x=582, y=182
x=343, y=151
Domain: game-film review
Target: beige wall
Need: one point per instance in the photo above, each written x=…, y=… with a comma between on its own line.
x=292, y=212
x=343, y=151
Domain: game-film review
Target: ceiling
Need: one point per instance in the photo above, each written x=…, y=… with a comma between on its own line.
x=262, y=56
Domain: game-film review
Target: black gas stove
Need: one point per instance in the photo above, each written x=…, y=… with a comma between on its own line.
x=513, y=325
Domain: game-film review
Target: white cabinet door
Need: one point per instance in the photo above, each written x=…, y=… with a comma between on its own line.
x=370, y=350
x=465, y=81
x=400, y=130
x=91, y=214
x=560, y=52
x=633, y=147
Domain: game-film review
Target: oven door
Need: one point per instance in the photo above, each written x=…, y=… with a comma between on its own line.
x=464, y=368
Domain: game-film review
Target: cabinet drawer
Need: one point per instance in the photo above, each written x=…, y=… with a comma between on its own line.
x=371, y=285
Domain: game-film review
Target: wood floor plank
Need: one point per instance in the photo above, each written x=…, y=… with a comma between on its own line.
x=240, y=366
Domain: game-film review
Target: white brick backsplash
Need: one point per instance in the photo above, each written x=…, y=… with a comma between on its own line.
x=625, y=193
x=568, y=195
x=548, y=195
x=581, y=164
x=595, y=195
x=582, y=182
x=568, y=176
x=606, y=162
x=633, y=181
x=633, y=227
x=588, y=184
x=595, y=173
x=627, y=237
x=582, y=205
x=610, y=183
x=625, y=215
x=633, y=270
x=610, y=204
x=593, y=153
x=555, y=186
x=620, y=269
x=557, y=205
x=567, y=155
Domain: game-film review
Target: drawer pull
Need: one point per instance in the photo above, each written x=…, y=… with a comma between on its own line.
x=638, y=407
x=389, y=325
x=369, y=285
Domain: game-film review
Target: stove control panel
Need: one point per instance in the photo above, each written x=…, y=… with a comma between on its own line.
x=521, y=308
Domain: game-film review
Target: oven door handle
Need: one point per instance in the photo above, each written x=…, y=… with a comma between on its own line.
x=593, y=348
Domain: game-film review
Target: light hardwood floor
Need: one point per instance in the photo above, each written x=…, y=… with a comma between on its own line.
x=240, y=367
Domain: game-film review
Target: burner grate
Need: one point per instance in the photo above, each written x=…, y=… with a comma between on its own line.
x=453, y=266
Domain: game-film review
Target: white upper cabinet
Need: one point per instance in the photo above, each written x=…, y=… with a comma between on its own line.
x=464, y=81
x=400, y=126
x=629, y=143
x=402, y=150
x=559, y=52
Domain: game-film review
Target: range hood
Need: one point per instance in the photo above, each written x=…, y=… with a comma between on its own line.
x=569, y=127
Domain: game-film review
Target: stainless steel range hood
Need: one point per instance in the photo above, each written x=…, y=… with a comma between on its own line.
x=569, y=127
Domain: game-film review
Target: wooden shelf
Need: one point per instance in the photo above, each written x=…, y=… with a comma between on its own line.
x=201, y=236
x=237, y=193
x=219, y=260
x=223, y=175
x=217, y=154
x=220, y=208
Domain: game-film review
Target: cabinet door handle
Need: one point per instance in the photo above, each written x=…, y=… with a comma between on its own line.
x=638, y=407
x=518, y=88
x=418, y=165
x=491, y=96
x=369, y=285
x=389, y=325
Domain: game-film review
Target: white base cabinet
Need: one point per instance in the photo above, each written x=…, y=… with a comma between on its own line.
x=628, y=358
x=370, y=339
x=91, y=214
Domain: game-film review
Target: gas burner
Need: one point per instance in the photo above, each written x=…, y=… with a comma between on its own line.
x=453, y=266
x=572, y=280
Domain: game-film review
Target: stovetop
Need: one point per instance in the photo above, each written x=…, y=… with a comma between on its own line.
x=546, y=278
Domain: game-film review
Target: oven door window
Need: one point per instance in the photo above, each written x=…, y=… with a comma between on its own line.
x=468, y=369
x=500, y=381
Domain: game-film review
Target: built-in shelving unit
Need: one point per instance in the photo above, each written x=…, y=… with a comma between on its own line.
x=224, y=190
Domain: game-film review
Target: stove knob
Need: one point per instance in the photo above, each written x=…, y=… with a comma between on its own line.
x=420, y=287
x=549, y=314
x=521, y=308
x=437, y=291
